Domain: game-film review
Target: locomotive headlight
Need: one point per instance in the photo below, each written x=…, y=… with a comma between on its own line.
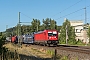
x=55, y=37
x=49, y=37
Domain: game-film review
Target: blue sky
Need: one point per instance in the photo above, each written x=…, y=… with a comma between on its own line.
x=42, y=9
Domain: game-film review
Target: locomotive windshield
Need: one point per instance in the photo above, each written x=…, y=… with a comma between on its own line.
x=52, y=33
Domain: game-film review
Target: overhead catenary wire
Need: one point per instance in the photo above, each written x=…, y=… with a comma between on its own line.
x=62, y=11
x=68, y=7
x=69, y=13
x=26, y=15
x=72, y=12
x=79, y=15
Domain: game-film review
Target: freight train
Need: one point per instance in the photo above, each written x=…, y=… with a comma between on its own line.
x=46, y=37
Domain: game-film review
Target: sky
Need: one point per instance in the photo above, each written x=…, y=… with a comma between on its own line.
x=42, y=9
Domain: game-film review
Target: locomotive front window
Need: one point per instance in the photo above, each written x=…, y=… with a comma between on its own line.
x=51, y=34
x=54, y=33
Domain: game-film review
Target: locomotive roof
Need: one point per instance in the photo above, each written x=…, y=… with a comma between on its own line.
x=43, y=31
x=38, y=32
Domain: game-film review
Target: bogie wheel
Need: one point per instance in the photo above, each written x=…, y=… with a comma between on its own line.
x=55, y=45
x=48, y=45
x=44, y=44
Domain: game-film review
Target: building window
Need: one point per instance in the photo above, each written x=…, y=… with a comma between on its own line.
x=78, y=31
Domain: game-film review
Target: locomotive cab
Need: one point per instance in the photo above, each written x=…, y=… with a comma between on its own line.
x=52, y=37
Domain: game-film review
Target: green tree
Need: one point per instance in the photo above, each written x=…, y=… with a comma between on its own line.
x=70, y=33
x=0, y=33
x=35, y=25
x=2, y=42
x=48, y=23
x=58, y=28
x=53, y=24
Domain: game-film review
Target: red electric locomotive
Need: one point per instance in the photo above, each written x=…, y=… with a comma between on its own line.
x=46, y=37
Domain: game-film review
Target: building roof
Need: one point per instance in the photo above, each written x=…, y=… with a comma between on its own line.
x=76, y=23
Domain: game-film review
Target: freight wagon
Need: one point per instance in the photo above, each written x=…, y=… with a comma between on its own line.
x=46, y=37
x=28, y=39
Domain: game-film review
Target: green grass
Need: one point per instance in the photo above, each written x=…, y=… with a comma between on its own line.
x=88, y=44
x=36, y=50
x=50, y=52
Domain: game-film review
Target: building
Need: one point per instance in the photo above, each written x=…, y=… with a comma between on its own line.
x=81, y=33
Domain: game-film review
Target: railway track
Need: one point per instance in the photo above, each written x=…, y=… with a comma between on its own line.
x=72, y=51
x=79, y=49
x=79, y=52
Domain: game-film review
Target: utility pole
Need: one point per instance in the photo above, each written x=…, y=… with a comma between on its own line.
x=86, y=23
x=85, y=15
x=19, y=17
x=66, y=35
x=19, y=30
x=19, y=25
x=37, y=25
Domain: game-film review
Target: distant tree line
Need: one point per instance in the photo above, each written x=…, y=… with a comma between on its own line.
x=34, y=26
